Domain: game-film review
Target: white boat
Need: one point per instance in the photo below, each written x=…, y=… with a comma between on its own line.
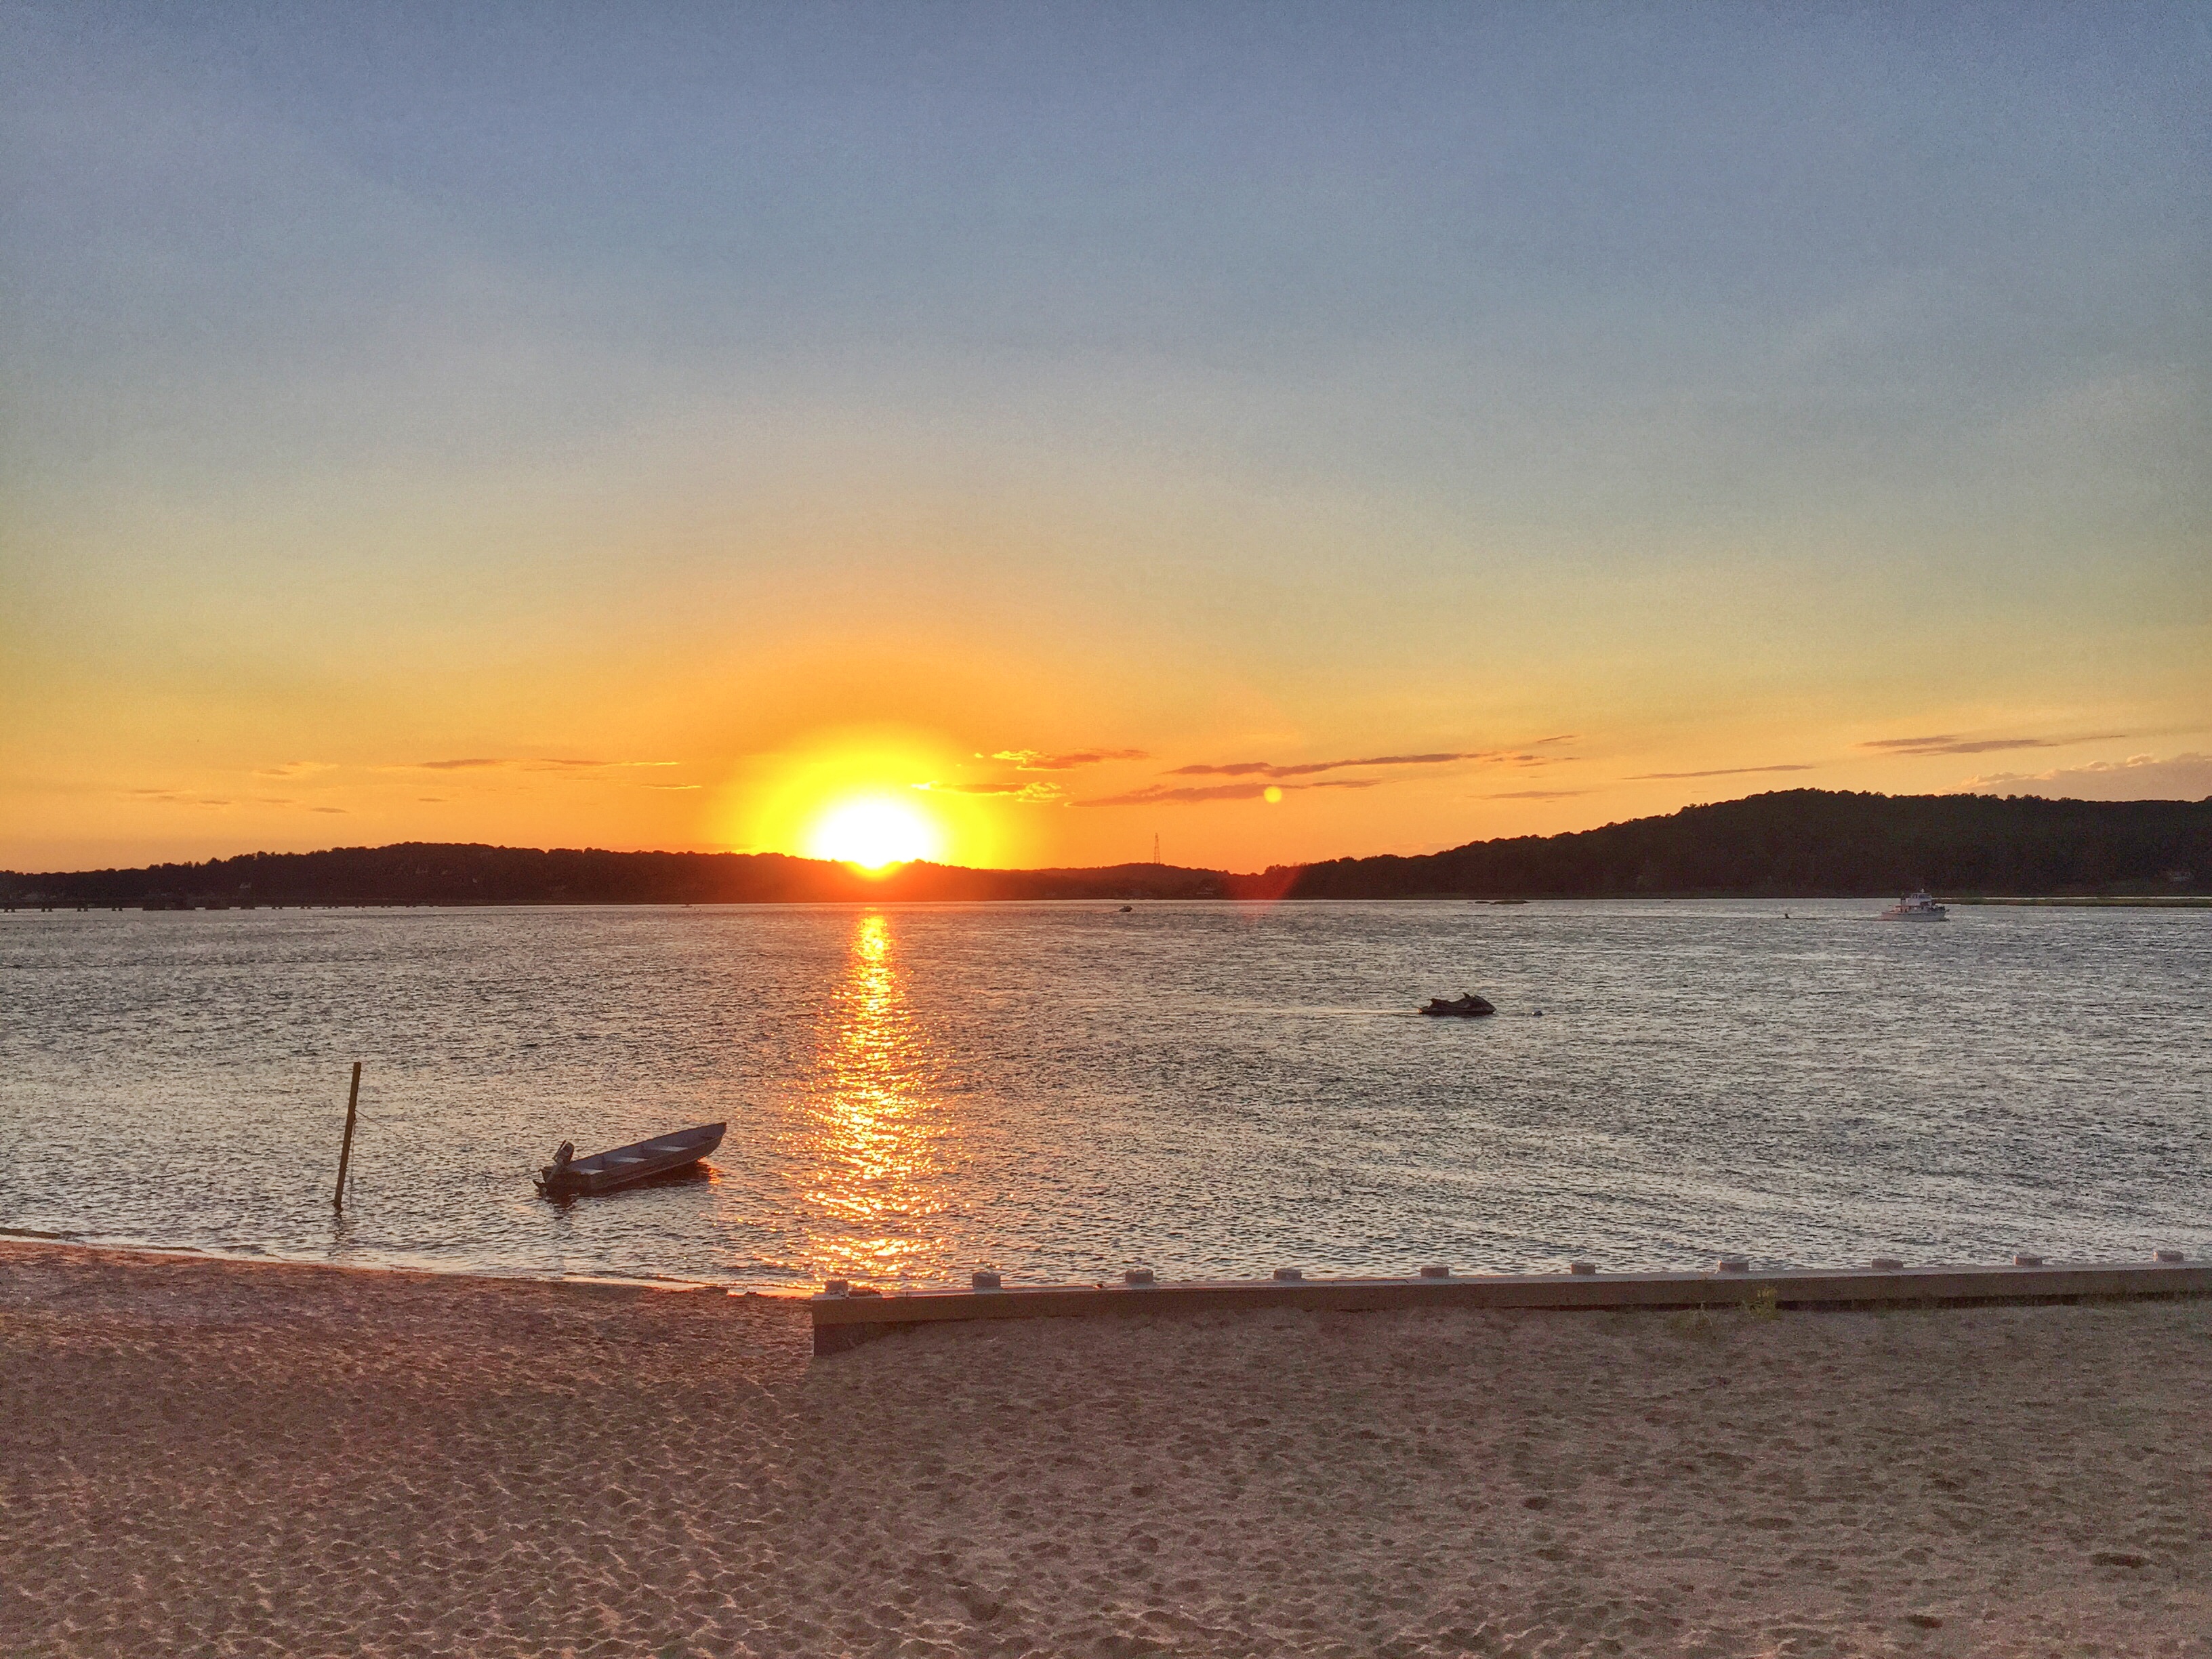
x=1916, y=907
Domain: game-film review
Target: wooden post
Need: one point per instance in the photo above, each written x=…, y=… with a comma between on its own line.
x=345, y=1152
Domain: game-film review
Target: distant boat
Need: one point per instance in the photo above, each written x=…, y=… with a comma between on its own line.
x=1916, y=907
x=569, y=1175
x=1469, y=1006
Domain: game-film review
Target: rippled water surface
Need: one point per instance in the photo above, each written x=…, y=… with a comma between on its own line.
x=1059, y=1091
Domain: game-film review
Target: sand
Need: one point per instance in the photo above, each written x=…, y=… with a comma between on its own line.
x=202, y=1457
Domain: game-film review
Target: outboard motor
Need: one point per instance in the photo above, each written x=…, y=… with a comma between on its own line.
x=565, y=1157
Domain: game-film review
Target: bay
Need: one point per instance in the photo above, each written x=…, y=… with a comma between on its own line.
x=1060, y=1090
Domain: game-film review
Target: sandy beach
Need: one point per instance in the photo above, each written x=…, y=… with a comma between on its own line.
x=201, y=1457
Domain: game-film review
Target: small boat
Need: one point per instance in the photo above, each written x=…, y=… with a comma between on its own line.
x=569, y=1175
x=1469, y=1006
x=1916, y=907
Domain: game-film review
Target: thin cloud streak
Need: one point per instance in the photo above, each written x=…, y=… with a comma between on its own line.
x=1036, y=794
x=1269, y=770
x=1160, y=794
x=1718, y=772
x=1032, y=760
x=528, y=763
x=1947, y=743
x=591, y=765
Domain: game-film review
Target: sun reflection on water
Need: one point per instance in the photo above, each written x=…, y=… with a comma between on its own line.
x=876, y=1128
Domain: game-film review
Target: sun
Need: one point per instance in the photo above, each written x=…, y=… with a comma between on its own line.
x=869, y=797
x=874, y=832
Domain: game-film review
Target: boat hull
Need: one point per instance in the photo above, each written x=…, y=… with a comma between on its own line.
x=1466, y=1008
x=626, y=1166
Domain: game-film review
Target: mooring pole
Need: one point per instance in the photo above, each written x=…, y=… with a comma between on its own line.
x=345, y=1151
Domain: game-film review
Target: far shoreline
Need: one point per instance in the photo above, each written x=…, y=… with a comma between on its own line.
x=2045, y=901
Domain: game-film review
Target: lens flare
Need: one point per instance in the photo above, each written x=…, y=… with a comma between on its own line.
x=874, y=832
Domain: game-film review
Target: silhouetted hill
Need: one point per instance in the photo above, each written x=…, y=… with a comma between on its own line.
x=1794, y=843
x=431, y=873
x=1809, y=842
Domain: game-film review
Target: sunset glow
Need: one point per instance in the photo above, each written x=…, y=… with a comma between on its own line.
x=875, y=832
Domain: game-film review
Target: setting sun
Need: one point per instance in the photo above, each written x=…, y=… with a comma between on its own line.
x=869, y=797
x=874, y=832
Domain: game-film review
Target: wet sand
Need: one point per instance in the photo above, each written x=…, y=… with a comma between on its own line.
x=202, y=1457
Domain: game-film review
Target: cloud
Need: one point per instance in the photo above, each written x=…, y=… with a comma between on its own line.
x=551, y=762
x=2187, y=776
x=431, y=799
x=1717, y=771
x=1262, y=773
x=1036, y=795
x=1269, y=770
x=1535, y=794
x=294, y=770
x=669, y=785
x=1161, y=794
x=568, y=763
x=1944, y=743
x=177, y=797
x=340, y=811
x=1032, y=760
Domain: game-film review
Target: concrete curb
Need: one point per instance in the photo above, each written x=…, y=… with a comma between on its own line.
x=846, y=1321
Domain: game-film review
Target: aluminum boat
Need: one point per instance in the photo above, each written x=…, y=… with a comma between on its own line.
x=568, y=1174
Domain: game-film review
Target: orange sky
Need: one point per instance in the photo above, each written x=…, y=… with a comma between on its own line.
x=1462, y=424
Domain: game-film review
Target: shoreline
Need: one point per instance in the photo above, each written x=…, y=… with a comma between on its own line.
x=206, y=1456
x=258, y=1257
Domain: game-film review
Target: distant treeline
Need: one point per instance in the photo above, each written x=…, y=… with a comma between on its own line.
x=1798, y=842
x=434, y=873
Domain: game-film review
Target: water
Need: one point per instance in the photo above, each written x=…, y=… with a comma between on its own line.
x=1062, y=1090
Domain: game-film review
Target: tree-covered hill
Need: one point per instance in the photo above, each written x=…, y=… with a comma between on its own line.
x=1813, y=842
